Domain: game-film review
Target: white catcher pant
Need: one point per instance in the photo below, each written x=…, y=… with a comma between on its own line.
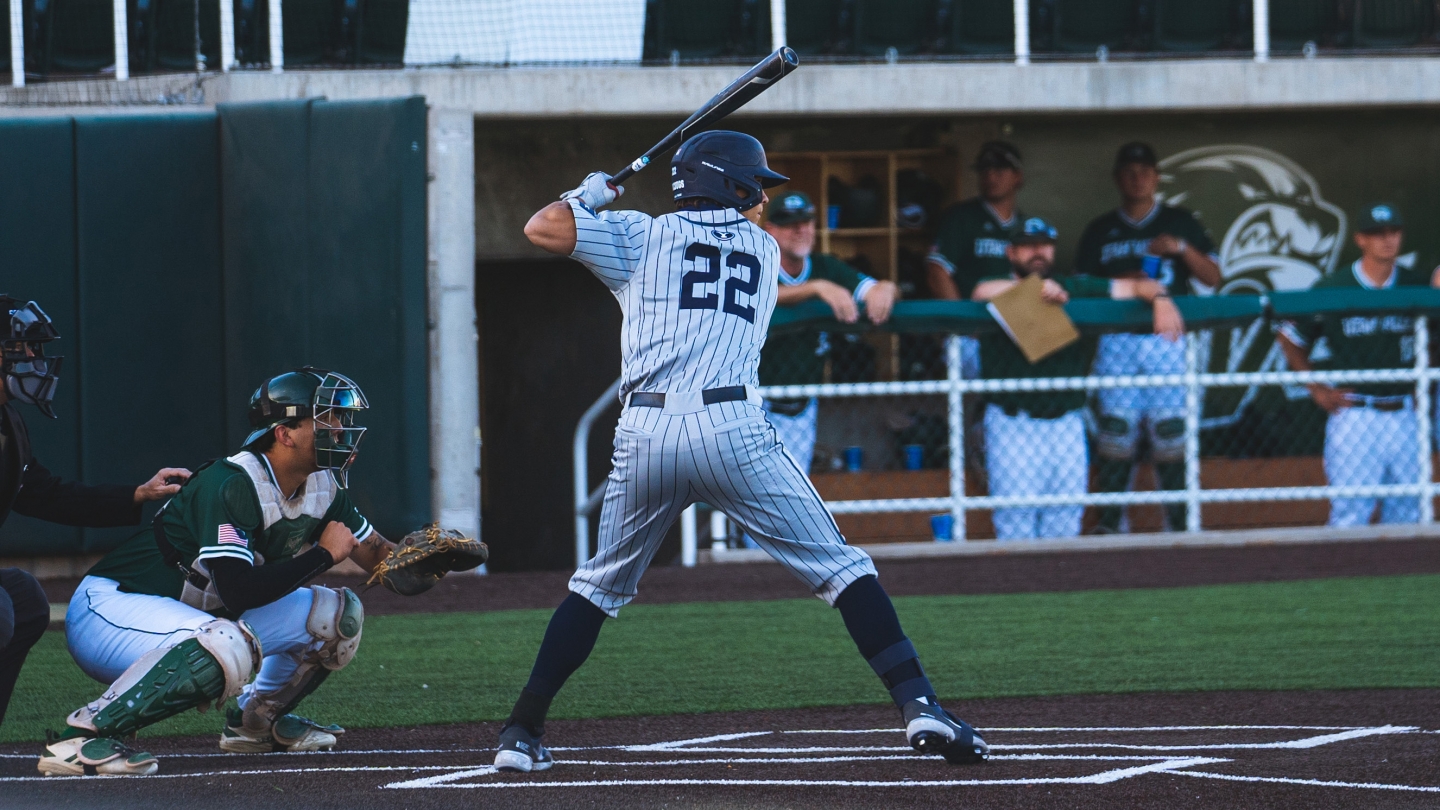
x=108, y=630
x=1028, y=456
x=1366, y=446
x=1124, y=354
x=728, y=456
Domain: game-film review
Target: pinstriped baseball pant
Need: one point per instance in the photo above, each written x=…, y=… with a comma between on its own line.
x=726, y=455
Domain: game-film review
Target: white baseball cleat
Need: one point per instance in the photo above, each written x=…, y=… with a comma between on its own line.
x=95, y=756
x=290, y=733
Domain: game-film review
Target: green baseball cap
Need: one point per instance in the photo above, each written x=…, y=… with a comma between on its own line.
x=790, y=208
x=1035, y=230
x=1378, y=216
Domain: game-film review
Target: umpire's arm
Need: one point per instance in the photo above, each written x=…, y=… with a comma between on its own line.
x=45, y=496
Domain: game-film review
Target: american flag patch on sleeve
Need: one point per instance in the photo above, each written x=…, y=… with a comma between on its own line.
x=230, y=536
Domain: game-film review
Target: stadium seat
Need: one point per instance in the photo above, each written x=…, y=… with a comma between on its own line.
x=694, y=30
x=810, y=25
x=1191, y=25
x=1082, y=26
x=1390, y=23
x=381, y=32
x=982, y=26
x=900, y=24
x=75, y=35
x=1296, y=22
x=172, y=28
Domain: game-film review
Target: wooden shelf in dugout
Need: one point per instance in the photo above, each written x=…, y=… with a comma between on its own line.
x=876, y=210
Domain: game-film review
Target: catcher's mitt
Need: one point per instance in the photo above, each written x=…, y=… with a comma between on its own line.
x=421, y=558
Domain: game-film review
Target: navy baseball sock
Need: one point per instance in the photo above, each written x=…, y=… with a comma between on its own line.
x=568, y=642
x=870, y=618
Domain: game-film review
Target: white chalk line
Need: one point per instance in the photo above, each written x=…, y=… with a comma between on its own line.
x=1021, y=729
x=1105, y=777
x=1315, y=782
x=64, y=780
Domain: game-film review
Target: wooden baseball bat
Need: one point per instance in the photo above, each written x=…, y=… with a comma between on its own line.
x=757, y=80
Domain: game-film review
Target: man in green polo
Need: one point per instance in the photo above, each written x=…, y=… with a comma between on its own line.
x=1035, y=442
x=799, y=359
x=1370, y=434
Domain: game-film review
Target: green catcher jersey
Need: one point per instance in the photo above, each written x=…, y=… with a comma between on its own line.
x=1001, y=359
x=1361, y=341
x=231, y=508
x=799, y=359
x=1114, y=246
x=970, y=242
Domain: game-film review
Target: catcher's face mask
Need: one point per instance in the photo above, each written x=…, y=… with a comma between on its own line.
x=337, y=438
x=29, y=375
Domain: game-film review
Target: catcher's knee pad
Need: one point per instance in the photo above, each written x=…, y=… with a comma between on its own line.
x=335, y=621
x=214, y=664
x=1116, y=436
x=1167, y=439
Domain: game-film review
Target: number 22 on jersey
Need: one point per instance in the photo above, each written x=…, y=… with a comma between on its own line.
x=743, y=280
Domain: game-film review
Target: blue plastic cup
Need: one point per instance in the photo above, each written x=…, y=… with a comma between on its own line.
x=914, y=456
x=1150, y=264
x=942, y=528
x=832, y=217
x=854, y=459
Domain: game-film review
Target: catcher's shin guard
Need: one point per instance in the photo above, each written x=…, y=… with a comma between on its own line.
x=336, y=620
x=212, y=665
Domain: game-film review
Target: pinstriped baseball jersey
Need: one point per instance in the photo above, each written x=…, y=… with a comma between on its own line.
x=697, y=288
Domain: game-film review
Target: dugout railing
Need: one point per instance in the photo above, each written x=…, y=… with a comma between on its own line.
x=1202, y=315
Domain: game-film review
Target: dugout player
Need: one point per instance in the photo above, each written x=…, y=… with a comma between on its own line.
x=1144, y=238
x=184, y=613
x=1370, y=433
x=799, y=359
x=697, y=288
x=971, y=236
x=29, y=377
x=1035, y=442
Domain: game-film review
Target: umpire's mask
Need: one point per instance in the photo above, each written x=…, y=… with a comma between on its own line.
x=29, y=375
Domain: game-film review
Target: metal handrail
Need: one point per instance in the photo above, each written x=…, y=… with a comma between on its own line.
x=587, y=500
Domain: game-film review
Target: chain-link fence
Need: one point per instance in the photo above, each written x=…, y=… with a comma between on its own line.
x=910, y=435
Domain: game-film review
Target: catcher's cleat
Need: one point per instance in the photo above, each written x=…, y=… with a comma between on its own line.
x=95, y=756
x=521, y=753
x=932, y=730
x=290, y=733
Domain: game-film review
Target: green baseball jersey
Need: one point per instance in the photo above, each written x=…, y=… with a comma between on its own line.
x=1001, y=359
x=1114, y=246
x=1361, y=341
x=231, y=508
x=970, y=242
x=799, y=359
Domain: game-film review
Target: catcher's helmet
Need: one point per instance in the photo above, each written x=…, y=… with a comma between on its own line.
x=28, y=375
x=332, y=398
x=724, y=166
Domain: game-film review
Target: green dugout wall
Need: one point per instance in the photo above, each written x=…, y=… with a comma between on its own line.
x=186, y=257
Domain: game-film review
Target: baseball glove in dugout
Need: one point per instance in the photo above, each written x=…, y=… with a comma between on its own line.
x=422, y=557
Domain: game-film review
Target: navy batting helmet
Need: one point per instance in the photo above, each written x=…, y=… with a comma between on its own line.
x=727, y=167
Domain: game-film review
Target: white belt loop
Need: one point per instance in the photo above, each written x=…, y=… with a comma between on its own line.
x=752, y=395
x=682, y=402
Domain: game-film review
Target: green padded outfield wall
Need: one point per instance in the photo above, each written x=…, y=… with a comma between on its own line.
x=186, y=257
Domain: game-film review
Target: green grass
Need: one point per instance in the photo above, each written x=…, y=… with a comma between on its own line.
x=1359, y=633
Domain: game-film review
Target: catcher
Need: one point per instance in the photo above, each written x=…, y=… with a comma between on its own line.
x=183, y=614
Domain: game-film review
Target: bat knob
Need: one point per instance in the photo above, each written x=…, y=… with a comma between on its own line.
x=791, y=58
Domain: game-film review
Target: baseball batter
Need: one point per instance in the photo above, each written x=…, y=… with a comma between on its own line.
x=1144, y=238
x=1370, y=433
x=184, y=613
x=697, y=288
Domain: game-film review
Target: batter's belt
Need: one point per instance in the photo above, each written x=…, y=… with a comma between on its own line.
x=710, y=396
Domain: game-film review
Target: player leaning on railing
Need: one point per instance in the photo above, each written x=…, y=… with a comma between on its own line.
x=1370, y=434
x=697, y=288
x=1143, y=238
x=1035, y=442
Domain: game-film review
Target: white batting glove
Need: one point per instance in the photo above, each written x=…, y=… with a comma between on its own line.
x=595, y=191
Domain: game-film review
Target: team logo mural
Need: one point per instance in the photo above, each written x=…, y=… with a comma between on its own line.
x=1275, y=232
